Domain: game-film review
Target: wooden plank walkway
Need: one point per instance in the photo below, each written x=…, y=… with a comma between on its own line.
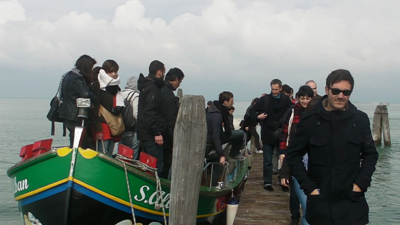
x=258, y=206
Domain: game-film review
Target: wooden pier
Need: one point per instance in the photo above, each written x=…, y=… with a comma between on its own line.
x=258, y=206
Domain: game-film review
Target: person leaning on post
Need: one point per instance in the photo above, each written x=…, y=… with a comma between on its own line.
x=341, y=156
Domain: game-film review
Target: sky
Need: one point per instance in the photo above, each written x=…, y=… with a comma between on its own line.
x=220, y=45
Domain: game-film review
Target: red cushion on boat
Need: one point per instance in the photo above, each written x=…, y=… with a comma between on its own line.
x=148, y=159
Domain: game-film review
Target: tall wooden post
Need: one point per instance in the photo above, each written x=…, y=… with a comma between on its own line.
x=180, y=94
x=187, y=160
x=381, y=125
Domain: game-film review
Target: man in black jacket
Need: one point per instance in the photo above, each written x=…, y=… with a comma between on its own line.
x=269, y=111
x=169, y=106
x=149, y=123
x=341, y=156
x=75, y=84
x=219, y=132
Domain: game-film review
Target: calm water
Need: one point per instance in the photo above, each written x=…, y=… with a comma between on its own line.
x=23, y=122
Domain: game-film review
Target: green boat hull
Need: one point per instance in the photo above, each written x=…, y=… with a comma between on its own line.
x=76, y=186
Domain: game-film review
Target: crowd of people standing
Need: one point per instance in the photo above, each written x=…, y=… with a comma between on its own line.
x=322, y=147
x=154, y=108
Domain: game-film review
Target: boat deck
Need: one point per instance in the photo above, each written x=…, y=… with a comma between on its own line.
x=258, y=206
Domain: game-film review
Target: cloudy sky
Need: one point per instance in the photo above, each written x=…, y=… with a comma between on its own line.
x=234, y=45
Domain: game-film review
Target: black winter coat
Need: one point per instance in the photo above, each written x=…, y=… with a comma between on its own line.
x=149, y=123
x=169, y=106
x=341, y=152
x=73, y=87
x=275, y=110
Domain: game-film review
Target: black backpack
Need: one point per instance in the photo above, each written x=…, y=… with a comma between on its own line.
x=53, y=114
x=127, y=112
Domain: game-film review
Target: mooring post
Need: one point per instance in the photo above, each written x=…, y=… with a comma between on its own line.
x=380, y=125
x=376, y=126
x=385, y=126
x=180, y=94
x=187, y=160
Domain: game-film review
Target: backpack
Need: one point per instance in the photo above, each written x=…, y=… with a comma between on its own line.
x=127, y=112
x=53, y=114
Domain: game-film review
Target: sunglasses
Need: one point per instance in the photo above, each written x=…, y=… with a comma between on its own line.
x=336, y=91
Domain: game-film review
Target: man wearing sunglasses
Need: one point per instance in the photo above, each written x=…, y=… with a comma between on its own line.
x=341, y=156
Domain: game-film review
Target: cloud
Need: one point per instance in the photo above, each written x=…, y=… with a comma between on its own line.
x=224, y=45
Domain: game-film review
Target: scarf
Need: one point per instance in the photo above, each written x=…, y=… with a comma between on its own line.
x=108, y=83
x=224, y=111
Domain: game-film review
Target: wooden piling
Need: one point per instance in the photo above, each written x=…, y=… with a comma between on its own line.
x=180, y=94
x=380, y=126
x=187, y=160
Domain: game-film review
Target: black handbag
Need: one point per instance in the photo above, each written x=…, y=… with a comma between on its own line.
x=53, y=114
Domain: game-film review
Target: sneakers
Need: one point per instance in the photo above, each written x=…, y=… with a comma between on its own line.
x=239, y=157
x=268, y=187
x=259, y=151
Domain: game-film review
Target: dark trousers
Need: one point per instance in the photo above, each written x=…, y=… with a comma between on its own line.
x=294, y=202
x=252, y=132
x=267, y=163
x=155, y=150
x=70, y=125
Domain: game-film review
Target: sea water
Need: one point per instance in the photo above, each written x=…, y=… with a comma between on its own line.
x=23, y=121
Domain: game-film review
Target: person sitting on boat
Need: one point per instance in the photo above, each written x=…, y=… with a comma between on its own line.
x=149, y=124
x=75, y=84
x=219, y=132
x=109, y=96
x=169, y=106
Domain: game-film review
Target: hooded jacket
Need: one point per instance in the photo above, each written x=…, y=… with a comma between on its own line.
x=149, y=123
x=341, y=152
x=217, y=118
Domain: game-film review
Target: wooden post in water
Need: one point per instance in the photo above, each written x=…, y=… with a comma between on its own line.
x=180, y=94
x=187, y=160
x=380, y=125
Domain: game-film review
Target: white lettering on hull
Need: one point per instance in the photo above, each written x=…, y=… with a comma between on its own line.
x=151, y=198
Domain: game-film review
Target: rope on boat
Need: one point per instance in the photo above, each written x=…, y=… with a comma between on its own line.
x=129, y=192
x=142, y=166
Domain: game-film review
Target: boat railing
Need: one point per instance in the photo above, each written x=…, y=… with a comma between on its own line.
x=226, y=177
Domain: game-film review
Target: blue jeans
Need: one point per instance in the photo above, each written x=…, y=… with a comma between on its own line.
x=108, y=146
x=302, y=198
x=129, y=138
x=267, y=163
x=236, y=139
x=155, y=150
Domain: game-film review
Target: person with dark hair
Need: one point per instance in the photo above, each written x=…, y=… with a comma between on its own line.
x=219, y=132
x=95, y=74
x=249, y=127
x=341, y=156
x=230, y=116
x=208, y=105
x=149, y=123
x=288, y=91
x=75, y=84
x=169, y=106
x=109, y=96
x=303, y=97
x=269, y=111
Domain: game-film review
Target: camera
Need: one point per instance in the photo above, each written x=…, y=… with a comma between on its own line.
x=117, y=110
